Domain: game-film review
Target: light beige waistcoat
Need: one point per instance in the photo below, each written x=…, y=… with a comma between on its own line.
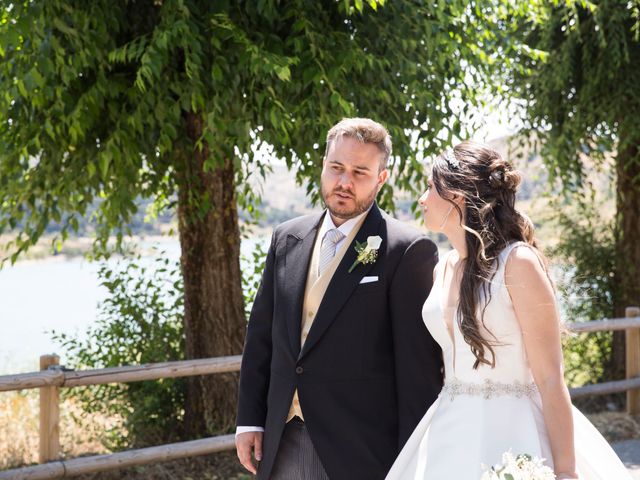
x=314, y=293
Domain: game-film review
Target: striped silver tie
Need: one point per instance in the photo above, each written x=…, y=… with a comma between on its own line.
x=328, y=248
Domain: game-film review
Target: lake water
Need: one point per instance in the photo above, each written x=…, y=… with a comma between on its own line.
x=54, y=294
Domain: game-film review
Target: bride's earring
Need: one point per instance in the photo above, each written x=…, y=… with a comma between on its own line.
x=444, y=220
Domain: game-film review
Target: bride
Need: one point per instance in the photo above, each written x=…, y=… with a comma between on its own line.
x=492, y=309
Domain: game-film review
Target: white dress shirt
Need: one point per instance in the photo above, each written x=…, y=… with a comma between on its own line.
x=327, y=224
x=345, y=228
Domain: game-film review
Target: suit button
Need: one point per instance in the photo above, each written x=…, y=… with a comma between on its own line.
x=299, y=370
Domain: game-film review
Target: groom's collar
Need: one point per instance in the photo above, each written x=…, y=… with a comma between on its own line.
x=345, y=228
x=317, y=221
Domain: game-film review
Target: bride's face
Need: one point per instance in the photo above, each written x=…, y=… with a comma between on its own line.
x=437, y=212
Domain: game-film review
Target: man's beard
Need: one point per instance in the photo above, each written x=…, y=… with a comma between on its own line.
x=360, y=206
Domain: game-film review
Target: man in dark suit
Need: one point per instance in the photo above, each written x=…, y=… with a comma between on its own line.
x=338, y=367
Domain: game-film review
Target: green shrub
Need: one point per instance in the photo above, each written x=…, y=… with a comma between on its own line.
x=587, y=255
x=140, y=321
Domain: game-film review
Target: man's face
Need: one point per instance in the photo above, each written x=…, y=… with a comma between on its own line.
x=351, y=178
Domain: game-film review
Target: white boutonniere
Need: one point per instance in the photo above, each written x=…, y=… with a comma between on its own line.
x=367, y=252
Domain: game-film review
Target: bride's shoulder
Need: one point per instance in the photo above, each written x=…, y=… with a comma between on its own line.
x=442, y=260
x=522, y=259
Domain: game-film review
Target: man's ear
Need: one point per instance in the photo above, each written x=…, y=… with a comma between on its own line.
x=383, y=176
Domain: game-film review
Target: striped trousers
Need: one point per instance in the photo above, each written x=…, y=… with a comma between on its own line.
x=297, y=458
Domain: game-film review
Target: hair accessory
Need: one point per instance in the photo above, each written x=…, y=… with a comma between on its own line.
x=497, y=175
x=450, y=158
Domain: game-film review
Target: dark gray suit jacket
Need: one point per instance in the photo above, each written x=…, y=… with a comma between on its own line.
x=369, y=369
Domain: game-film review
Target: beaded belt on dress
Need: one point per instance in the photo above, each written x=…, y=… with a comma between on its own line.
x=488, y=389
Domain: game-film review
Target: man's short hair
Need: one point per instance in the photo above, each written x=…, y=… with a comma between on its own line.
x=364, y=130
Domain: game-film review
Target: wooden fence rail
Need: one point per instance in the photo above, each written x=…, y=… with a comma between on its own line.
x=130, y=458
x=52, y=377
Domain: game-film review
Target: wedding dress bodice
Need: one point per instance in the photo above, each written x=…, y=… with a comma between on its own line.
x=511, y=366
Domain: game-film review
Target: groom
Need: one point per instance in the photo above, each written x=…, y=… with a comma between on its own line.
x=338, y=367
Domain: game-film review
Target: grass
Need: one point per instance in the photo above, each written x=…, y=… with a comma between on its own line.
x=82, y=434
x=79, y=434
x=616, y=426
x=219, y=466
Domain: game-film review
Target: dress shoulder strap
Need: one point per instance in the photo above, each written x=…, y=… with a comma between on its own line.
x=504, y=256
x=442, y=262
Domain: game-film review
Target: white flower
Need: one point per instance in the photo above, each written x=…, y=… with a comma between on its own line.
x=519, y=467
x=451, y=159
x=373, y=243
x=367, y=252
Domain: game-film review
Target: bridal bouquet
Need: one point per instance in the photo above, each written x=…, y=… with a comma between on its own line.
x=519, y=467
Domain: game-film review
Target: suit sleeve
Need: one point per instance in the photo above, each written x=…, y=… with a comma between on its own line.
x=418, y=357
x=256, y=356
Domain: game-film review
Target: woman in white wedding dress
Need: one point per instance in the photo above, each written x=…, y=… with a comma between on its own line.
x=492, y=309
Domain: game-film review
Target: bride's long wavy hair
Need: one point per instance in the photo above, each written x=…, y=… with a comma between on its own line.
x=488, y=185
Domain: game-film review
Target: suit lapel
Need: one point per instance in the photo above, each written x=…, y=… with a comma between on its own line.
x=298, y=256
x=343, y=283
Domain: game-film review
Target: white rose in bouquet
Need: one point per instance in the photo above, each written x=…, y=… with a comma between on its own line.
x=519, y=467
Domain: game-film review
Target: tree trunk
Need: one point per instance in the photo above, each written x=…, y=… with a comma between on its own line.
x=214, y=318
x=627, y=236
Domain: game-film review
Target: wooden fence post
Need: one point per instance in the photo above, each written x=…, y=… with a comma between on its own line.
x=633, y=361
x=49, y=415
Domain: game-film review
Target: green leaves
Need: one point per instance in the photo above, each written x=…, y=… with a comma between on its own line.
x=99, y=92
x=104, y=160
x=359, y=5
x=576, y=74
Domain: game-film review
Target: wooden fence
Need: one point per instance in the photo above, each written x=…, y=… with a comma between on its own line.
x=52, y=377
